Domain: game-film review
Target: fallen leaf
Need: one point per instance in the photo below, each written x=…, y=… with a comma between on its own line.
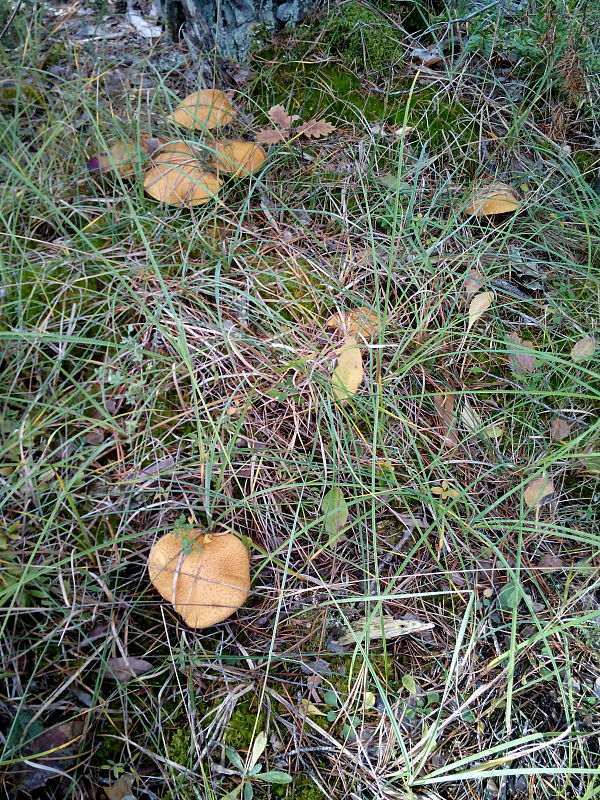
x=445, y=491
x=360, y=322
x=479, y=305
x=428, y=57
x=269, y=136
x=538, y=492
x=315, y=128
x=336, y=510
x=404, y=130
x=124, y=669
x=121, y=789
x=388, y=628
x=59, y=745
x=559, y=429
x=280, y=117
x=496, y=198
x=348, y=374
x=208, y=108
x=522, y=360
x=310, y=709
x=583, y=349
x=473, y=282
x=470, y=418
x=444, y=405
x=494, y=431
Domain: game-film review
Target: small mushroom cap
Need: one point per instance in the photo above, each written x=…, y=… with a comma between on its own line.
x=176, y=177
x=205, y=586
x=496, y=198
x=237, y=158
x=208, y=108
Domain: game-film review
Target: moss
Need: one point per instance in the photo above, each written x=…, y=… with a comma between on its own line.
x=302, y=788
x=588, y=162
x=179, y=746
x=361, y=36
x=245, y=719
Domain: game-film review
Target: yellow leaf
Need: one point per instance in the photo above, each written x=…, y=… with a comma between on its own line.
x=309, y=709
x=348, y=374
x=479, y=304
x=496, y=198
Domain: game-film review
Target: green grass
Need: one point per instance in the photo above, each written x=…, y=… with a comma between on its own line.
x=161, y=363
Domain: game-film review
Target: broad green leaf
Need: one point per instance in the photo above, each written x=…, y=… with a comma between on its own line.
x=235, y=758
x=335, y=509
x=508, y=595
x=409, y=683
x=275, y=776
x=258, y=748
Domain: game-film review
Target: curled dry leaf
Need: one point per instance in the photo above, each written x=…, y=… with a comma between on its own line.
x=522, y=360
x=559, y=429
x=205, y=577
x=315, y=128
x=444, y=405
x=479, y=304
x=270, y=136
x=583, y=349
x=124, y=669
x=208, y=108
x=496, y=198
x=280, y=117
x=348, y=374
x=360, y=322
x=239, y=159
x=538, y=492
x=388, y=628
x=177, y=178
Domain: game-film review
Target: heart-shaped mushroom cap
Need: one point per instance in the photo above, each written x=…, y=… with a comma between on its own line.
x=205, y=585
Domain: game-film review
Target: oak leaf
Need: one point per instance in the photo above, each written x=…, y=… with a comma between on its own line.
x=280, y=117
x=269, y=136
x=315, y=128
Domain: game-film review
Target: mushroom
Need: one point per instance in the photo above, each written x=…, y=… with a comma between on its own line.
x=205, y=585
x=496, y=198
x=237, y=158
x=208, y=108
x=176, y=177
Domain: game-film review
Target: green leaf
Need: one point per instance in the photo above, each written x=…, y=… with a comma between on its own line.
x=331, y=699
x=275, y=776
x=409, y=684
x=335, y=509
x=248, y=791
x=235, y=759
x=508, y=596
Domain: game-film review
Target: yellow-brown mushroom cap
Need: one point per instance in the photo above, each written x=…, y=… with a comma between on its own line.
x=177, y=178
x=496, y=198
x=208, y=108
x=205, y=585
x=237, y=158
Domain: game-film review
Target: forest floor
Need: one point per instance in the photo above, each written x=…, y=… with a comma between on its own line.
x=168, y=367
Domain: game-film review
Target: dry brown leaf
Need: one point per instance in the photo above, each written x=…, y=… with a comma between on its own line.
x=59, y=745
x=280, y=117
x=473, y=282
x=479, y=304
x=444, y=405
x=522, y=361
x=496, y=198
x=124, y=669
x=559, y=429
x=269, y=136
x=348, y=373
x=583, y=349
x=239, y=159
x=538, y=492
x=208, y=108
x=360, y=322
x=315, y=128
x=121, y=789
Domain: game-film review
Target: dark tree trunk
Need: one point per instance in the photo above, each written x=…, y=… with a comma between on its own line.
x=225, y=28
